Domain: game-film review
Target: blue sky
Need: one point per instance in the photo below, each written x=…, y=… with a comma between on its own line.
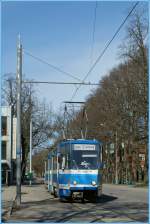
x=61, y=33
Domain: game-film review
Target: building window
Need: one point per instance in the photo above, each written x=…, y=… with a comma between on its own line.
x=4, y=149
x=4, y=125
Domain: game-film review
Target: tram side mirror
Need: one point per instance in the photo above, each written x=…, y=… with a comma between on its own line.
x=63, y=163
x=59, y=155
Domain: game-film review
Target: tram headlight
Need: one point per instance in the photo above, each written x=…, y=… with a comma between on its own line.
x=93, y=183
x=74, y=182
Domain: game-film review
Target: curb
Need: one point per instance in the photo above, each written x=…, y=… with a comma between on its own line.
x=12, y=206
x=9, y=212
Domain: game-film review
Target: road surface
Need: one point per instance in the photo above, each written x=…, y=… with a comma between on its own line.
x=119, y=203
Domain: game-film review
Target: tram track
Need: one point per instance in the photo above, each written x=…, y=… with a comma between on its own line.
x=74, y=215
x=75, y=212
x=106, y=213
x=80, y=213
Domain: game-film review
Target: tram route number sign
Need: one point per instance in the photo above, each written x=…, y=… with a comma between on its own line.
x=84, y=147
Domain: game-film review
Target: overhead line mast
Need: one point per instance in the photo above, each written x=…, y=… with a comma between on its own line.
x=18, y=129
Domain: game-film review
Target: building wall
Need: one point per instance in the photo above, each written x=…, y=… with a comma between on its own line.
x=7, y=136
x=14, y=139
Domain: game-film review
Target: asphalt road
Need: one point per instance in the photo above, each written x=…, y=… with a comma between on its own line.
x=118, y=204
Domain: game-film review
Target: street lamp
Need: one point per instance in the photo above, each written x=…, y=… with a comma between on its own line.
x=30, y=152
x=116, y=158
x=49, y=157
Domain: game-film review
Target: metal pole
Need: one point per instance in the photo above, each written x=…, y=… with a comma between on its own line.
x=52, y=173
x=86, y=124
x=45, y=173
x=30, y=151
x=82, y=134
x=48, y=172
x=18, y=128
x=45, y=167
x=107, y=162
x=116, y=167
x=62, y=83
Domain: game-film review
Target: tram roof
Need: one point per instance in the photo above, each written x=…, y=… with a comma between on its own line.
x=80, y=141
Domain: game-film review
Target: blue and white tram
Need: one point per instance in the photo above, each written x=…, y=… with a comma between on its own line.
x=76, y=169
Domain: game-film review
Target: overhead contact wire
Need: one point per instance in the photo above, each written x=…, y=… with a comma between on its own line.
x=93, y=35
x=52, y=66
x=106, y=47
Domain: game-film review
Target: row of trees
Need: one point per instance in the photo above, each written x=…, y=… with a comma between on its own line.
x=118, y=109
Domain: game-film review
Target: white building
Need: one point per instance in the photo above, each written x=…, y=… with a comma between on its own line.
x=8, y=144
x=14, y=138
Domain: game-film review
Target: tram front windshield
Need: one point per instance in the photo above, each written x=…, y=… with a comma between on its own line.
x=85, y=156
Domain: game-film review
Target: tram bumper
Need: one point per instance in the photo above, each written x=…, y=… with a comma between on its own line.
x=88, y=190
x=83, y=188
x=79, y=190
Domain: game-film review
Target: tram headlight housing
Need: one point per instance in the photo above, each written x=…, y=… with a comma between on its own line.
x=74, y=182
x=93, y=183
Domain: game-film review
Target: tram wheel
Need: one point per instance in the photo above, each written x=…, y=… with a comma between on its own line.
x=95, y=199
x=69, y=199
x=63, y=199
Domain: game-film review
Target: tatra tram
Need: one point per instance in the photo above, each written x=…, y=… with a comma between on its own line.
x=75, y=170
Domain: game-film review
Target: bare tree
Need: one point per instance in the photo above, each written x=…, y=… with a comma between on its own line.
x=31, y=108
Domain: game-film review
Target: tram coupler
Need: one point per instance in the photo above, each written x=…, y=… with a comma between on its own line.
x=77, y=195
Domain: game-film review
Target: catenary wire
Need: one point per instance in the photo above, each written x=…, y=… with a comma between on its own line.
x=93, y=33
x=105, y=48
x=52, y=66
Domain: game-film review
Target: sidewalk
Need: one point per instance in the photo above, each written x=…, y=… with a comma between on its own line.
x=33, y=193
x=33, y=198
x=8, y=196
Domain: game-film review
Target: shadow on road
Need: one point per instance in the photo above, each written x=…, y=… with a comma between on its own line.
x=38, y=211
x=101, y=200
x=106, y=198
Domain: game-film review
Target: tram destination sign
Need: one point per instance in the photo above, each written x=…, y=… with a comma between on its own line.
x=84, y=147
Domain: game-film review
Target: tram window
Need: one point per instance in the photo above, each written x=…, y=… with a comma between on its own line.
x=60, y=158
x=54, y=163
